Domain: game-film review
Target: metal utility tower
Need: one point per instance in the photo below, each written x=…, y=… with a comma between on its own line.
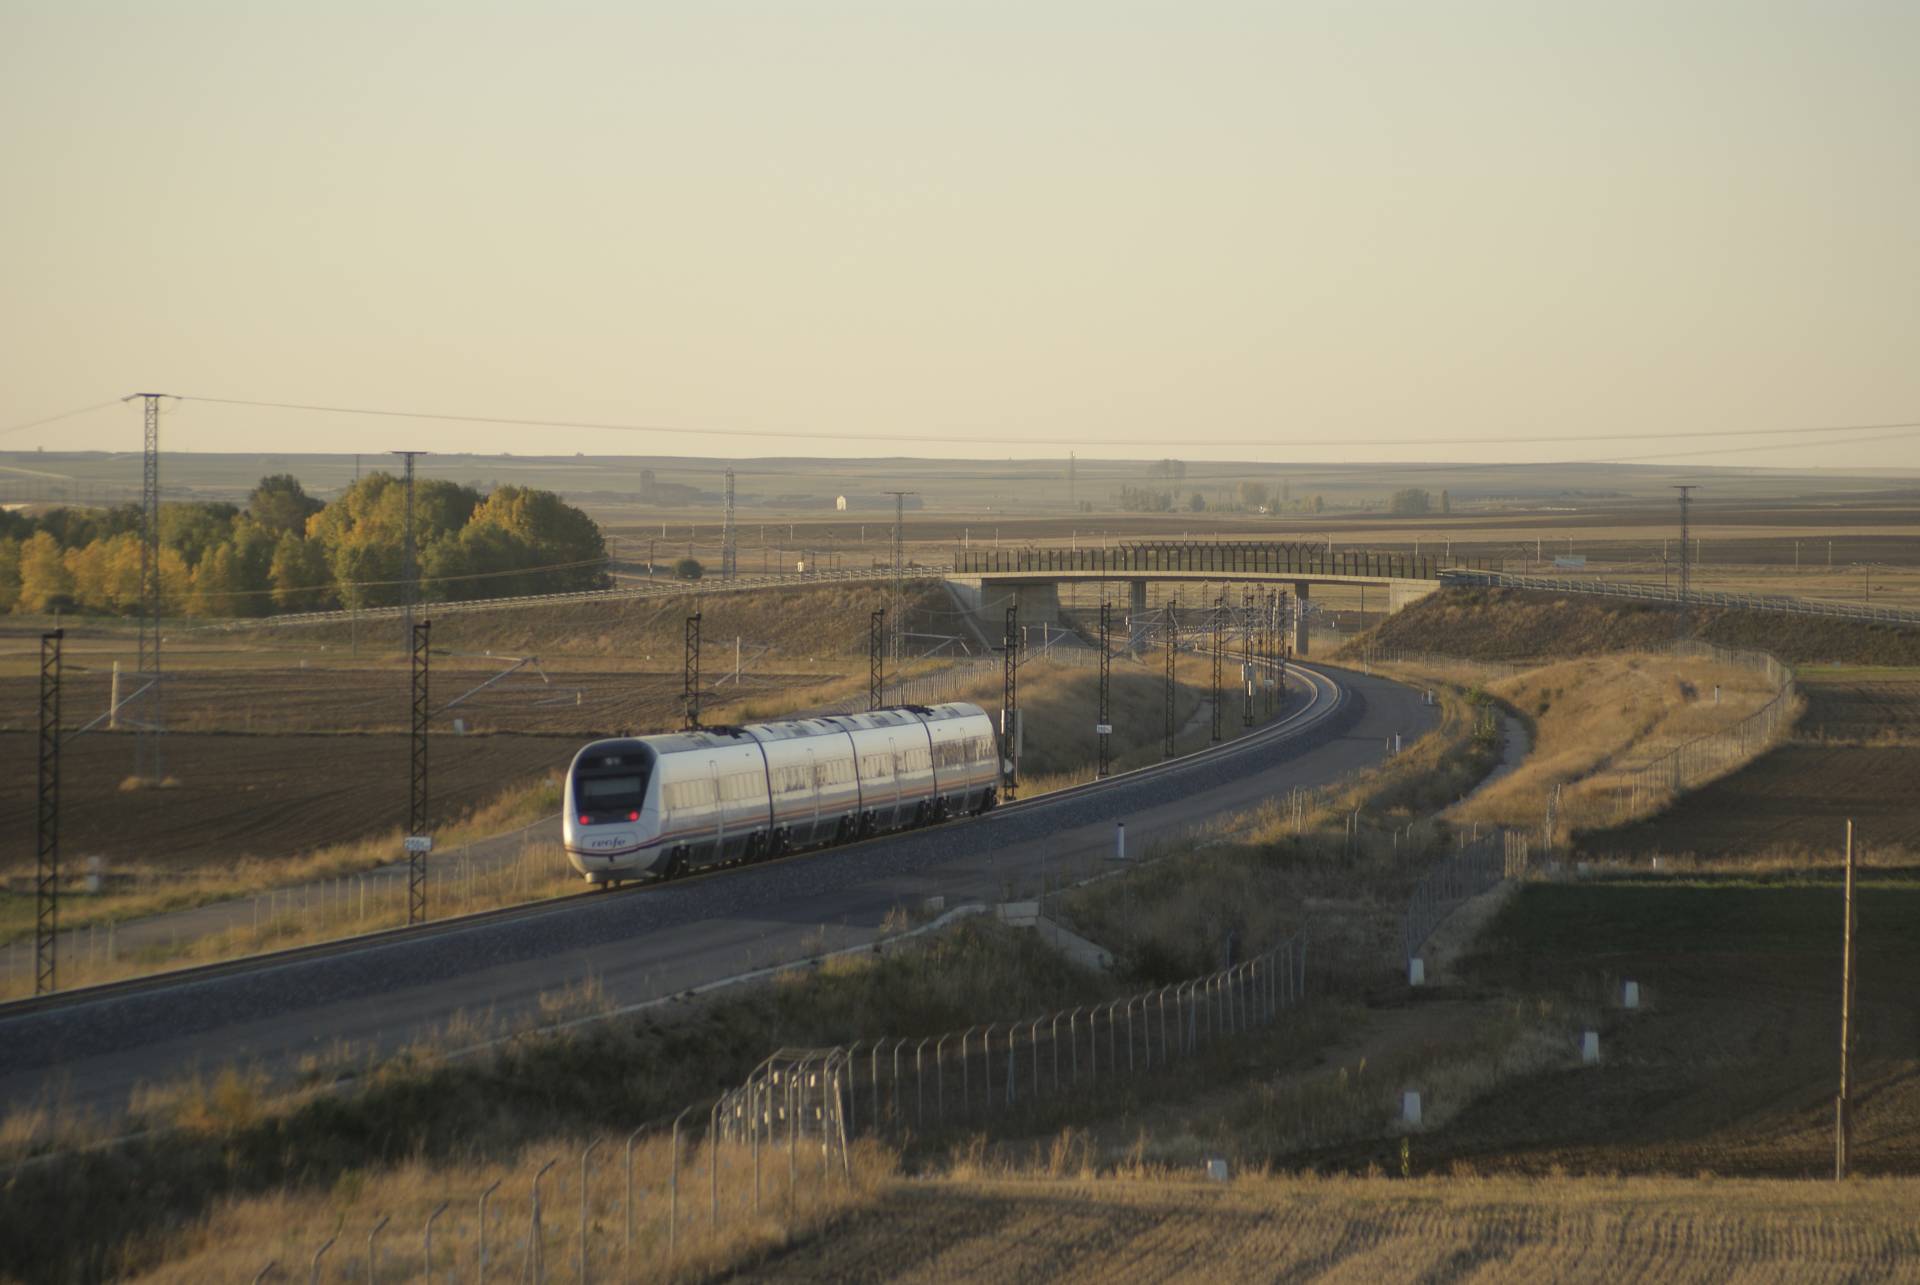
x=899, y=565
x=1247, y=672
x=690, y=673
x=728, y=553
x=1010, y=702
x=1173, y=651
x=46, y=921
x=419, y=842
x=149, y=758
x=1073, y=499
x=1686, y=502
x=876, y=666
x=1103, y=726
x=409, y=563
x=1219, y=639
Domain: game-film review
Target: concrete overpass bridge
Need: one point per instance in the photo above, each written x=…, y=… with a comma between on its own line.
x=991, y=580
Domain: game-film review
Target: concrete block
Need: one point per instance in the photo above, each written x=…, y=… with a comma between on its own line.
x=1019, y=913
x=1590, y=1047
x=934, y=905
x=1217, y=1169
x=1416, y=971
x=1630, y=995
x=1410, y=1107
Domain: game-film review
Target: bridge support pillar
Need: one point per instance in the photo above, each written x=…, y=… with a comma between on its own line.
x=1300, y=588
x=1136, y=612
x=1404, y=593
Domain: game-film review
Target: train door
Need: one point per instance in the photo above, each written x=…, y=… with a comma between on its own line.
x=899, y=770
x=814, y=785
x=719, y=852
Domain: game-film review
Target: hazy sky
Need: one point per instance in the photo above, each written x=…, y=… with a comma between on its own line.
x=1125, y=229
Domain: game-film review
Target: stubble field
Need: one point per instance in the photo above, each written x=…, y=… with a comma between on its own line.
x=1365, y=1230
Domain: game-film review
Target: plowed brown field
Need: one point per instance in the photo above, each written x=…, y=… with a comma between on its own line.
x=1855, y=755
x=261, y=796
x=1731, y=1062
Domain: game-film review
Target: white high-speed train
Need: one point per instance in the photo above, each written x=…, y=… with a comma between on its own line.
x=663, y=805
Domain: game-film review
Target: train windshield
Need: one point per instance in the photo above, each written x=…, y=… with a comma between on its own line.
x=596, y=793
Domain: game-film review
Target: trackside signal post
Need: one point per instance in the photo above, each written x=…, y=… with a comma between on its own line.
x=418, y=843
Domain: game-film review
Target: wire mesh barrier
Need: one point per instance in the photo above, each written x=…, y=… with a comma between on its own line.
x=1251, y=557
x=892, y=1087
x=1472, y=868
x=1495, y=579
x=1693, y=763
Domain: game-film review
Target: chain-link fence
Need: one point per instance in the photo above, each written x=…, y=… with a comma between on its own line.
x=1472, y=868
x=1693, y=763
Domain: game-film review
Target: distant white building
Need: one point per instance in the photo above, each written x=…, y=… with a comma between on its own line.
x=840, y=503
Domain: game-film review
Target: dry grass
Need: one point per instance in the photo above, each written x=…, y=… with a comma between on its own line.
x=1596, y=719
x=82, y=1209
x=238, y=1237
x=325, y=911
x=1156, y=1226
x=1342, y=857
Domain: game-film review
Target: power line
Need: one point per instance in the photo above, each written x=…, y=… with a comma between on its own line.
x=1026, y=439
x=65, y=414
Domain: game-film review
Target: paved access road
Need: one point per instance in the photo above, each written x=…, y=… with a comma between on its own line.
x=658, y=941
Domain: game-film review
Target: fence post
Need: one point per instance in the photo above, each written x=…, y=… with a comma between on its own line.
x=313, y=1268
x=481, y=1275
x=372, y=1249
x=536, y=1252
x=673, y=1186
x=626, y=1245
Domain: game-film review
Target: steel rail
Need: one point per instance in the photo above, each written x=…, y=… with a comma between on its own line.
x=1326, y=697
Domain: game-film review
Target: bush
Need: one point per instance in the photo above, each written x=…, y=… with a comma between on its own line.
x=688, y=569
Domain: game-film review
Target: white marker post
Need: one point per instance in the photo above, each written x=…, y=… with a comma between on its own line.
x=1119, y=840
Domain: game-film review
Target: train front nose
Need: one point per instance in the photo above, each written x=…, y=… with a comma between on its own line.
x=602, y=845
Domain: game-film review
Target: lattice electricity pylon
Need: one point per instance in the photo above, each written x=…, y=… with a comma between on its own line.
x=876, y=662
x=419, y=842
x=690, y=673
x=1103, y=728
x=1686, y=577
x=1173, y=652
x=46, y=921
x=149, y=758
x=729, y=553
x=1219, y=654
x=1288, y=607
x=409, y=553
x=1010, y=701
x=1247, y=671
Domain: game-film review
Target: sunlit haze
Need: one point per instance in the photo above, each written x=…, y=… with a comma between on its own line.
x=1233, y=230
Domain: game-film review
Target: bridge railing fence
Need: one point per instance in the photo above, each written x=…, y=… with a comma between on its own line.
x=1262, y=557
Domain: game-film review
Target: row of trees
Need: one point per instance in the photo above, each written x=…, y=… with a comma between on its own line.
x=287, y=551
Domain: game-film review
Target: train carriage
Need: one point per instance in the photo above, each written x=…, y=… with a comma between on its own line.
x=662, y=805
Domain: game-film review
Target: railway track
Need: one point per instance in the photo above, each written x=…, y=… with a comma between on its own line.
x=1325, y=698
